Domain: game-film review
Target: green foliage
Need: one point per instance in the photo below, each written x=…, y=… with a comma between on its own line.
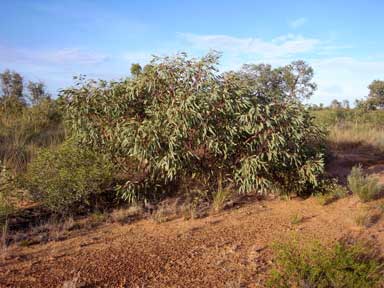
x=366, y=187
x=180, y=121
x=66, y=178
x=316, y=266
x=376, y=94
x=296, y=219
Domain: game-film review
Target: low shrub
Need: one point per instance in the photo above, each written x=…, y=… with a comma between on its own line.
x=366, y=187
x=315, y=266
x=331, y=192
x=66, y=178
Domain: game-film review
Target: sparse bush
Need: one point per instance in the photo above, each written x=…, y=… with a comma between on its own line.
x=125, y=215
x=366, y=187
x=179, y=121
x=316, y=266
x=331, y=192
x=66, y=178
x=196, y=204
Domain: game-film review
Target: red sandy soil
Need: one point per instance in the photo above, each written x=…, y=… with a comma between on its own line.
x=230, y=249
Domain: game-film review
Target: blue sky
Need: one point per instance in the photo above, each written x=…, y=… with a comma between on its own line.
x=55, y=40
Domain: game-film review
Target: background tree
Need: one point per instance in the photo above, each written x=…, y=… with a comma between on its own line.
x=12, y=90
x=135, y=69
x=37, y=92
x=298, y=77
x=290, y=82
x=345, y=104
x=335, y=104
x=376, y=94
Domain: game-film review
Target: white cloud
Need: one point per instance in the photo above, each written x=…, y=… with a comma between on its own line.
x=65, y=56
x=344, y=78
x=337, y=77
x=298, y=22
x=282, y=46
x=72, y=55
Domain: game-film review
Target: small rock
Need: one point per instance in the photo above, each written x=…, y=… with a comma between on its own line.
x=220, y=262
x=235, y=247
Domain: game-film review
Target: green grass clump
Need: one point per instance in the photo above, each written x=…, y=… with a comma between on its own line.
x=221, y=196
x=366, y=187
x=296, y=219
x=314, y=265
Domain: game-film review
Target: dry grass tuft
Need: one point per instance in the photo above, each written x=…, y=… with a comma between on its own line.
x=369, y=217
x=351, y=136
x=126, y=215
x=366, y=187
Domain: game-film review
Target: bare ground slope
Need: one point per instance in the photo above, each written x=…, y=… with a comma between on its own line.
x=231, y=249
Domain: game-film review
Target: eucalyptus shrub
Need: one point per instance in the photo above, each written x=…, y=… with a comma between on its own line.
x=178, y=121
